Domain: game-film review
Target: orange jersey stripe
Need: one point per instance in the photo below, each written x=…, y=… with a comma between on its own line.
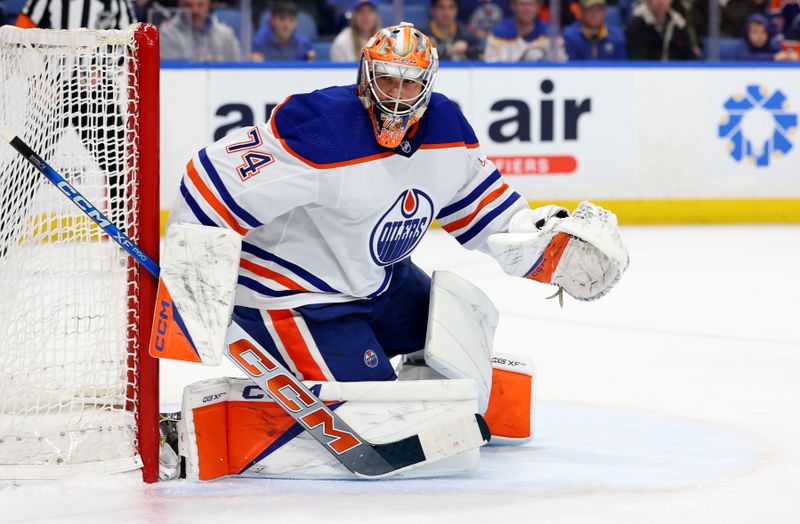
x=449, y=145
x=272, y=275
x=295, y=346
x=461, y=222
x=212, y=200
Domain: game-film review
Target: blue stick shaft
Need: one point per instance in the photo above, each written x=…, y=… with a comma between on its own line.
x=84, y=205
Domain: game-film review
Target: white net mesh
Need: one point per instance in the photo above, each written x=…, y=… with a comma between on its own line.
x=68, y=296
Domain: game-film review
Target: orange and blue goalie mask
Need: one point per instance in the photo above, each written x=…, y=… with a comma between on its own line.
x=395, y=80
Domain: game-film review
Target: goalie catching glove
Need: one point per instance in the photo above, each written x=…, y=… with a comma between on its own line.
x=580, y=253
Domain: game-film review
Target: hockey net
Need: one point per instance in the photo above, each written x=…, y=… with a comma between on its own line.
x=77, y=390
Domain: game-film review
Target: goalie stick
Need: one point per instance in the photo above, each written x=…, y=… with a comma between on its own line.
x=347, y=446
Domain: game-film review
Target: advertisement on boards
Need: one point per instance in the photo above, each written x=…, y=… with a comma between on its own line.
x=558, y=133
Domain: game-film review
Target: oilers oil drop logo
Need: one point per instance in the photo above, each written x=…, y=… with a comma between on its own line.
x=370, y=358
x=400, y=229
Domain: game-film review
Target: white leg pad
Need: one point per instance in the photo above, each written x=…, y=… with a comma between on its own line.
x=231, y=428
x=461, y=325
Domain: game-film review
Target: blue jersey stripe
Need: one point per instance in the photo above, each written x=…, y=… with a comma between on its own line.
x=481, y=224
x=223, y=191
x=195, y=207
x=264, y=290
x=472, y=197
x=297, y=270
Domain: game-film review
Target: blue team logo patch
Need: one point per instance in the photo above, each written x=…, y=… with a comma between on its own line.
x=401, y=228
x=370, y=358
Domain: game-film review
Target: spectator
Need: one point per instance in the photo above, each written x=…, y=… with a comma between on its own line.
x=480, y=16
x=452, y=39
x=589, y=38
x=757, y=43
x=735, y=13
x=76, y=100
x=787, y=18
x=154, y=12
x=658, y=32
x=792, y=32
x=278, y=39
x=364, y=23
x=522, y=37
x=195, y=34
x=732, y=15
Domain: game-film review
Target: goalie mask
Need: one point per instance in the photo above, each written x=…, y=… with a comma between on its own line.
x=395, y=80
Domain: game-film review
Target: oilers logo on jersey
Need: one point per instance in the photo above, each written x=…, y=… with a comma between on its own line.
x=400, y=229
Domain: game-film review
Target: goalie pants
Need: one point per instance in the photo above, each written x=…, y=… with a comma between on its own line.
x=350, y=341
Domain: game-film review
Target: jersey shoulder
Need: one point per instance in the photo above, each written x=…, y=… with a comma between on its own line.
x=447, y=124
x=325, y=128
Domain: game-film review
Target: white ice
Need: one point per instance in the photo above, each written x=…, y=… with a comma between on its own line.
x=676, y=398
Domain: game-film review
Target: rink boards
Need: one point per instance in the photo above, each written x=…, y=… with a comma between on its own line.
x=658, y=144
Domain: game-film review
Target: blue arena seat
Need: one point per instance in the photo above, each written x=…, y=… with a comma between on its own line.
x=727, y=49
x=323, y=49
x=386, y=12
x=625, y=8
x=614, y=16
x=15, y=6
x=307, y=26
x=231, y=18
x=417, y=14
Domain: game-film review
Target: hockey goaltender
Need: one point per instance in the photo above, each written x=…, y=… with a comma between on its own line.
x=288, y=249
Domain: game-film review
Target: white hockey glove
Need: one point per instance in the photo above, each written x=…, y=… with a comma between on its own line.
x=581, y=254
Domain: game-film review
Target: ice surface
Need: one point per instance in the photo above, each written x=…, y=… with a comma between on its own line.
x=676, y=398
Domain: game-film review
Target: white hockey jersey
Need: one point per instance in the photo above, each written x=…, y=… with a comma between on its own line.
x=325, y=211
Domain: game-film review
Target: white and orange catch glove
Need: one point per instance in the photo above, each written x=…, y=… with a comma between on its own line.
x=580, y=253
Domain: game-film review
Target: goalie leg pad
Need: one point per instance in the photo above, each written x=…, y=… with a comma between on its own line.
x=510, y=415
x=461, y=324
x=231, y=428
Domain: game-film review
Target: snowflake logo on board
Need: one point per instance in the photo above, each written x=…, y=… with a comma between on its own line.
x=758, y=125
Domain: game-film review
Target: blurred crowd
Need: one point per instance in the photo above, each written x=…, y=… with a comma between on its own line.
x=488, y=30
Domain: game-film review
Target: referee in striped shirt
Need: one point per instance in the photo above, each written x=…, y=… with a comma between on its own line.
x=103, y=135
x=74, y=14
